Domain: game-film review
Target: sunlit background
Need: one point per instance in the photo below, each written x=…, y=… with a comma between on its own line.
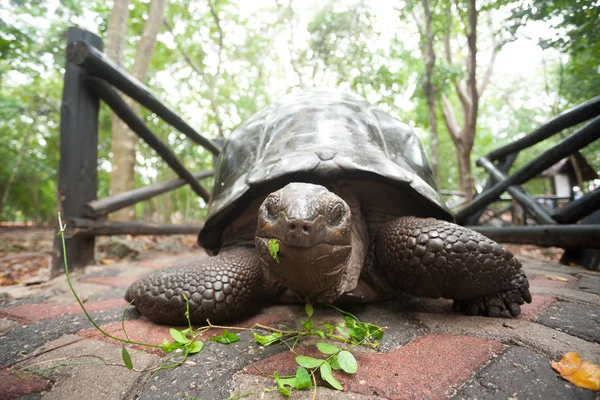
x=543, y=66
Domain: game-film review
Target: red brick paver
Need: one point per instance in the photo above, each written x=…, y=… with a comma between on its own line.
x=114, y=281
x=429, y=367
x=539, y=304
x=13, y=386
x=144, y=331
x=138, y=330
x=37, y=312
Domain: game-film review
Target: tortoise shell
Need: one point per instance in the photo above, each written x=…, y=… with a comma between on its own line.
x=317, y=136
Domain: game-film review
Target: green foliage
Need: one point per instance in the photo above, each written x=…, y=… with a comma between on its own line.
x=225, y=338
x=217, y=72
x=274, y=249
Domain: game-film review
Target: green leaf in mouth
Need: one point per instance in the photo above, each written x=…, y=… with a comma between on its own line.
x=274, y=249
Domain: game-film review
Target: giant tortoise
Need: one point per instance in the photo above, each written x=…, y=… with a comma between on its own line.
x=346, y=192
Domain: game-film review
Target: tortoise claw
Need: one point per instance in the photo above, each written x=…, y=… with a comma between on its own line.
x=494, y=311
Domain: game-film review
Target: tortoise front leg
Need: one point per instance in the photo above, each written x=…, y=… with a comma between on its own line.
x=431, y=258
x=221, y=288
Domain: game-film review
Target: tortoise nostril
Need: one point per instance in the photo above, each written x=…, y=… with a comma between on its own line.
x=305, y=228
x=292, y=227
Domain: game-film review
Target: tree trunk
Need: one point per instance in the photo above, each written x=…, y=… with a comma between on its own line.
x=463, y=138
x=466, y=182
x=115, y=43
x=123, y=139
x=429, y=56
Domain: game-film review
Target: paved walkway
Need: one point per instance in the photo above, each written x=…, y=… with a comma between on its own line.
x=428, y=352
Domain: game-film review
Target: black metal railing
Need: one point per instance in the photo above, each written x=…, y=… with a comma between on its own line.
x=556, y=228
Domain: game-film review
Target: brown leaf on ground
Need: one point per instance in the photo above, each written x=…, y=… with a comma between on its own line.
x=556, y=278
x=582, y=373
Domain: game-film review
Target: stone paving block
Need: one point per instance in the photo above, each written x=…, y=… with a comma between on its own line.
x=13, y=302
x=576, y=319
x=255, y=387
x=590, y=284
x=520, y=373
x=7, y=325
x=401, y=327
x=86, y=376
x=16, y=385
x=37, y=312
x=58, y=292
x=547, y=341
x=567, y=294
x=553, y=280
x=20, y=342
x=209, y=373
x=109, y=293
x=431, y=366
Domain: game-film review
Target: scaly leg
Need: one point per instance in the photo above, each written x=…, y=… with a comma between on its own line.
x=431, y=258
x=221, y=288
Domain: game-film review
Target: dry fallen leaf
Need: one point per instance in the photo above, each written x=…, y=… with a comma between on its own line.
x=106, y=261
x=582, y=373
x=556, y=278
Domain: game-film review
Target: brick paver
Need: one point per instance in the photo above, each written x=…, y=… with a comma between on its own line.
x=37, y=312
x=405, y=372
x=428, y=352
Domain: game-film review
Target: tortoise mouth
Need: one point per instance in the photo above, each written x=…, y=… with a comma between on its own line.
x=299, y=253
x=316, y=272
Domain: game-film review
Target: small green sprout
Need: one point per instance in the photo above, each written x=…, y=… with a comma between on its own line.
x=274, y=249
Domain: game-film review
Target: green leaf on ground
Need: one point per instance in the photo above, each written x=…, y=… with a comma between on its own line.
x=284, y=383
x=309, y=310
x=347, y=362
x=268, y=339
x=327, y=348
x=126, y=358
x=309, y=362
x=225, y=338
x=328, y=377
x=302, y=379
x=307, y=324
x=178, y=336
x=195, y=347
x=333, y=361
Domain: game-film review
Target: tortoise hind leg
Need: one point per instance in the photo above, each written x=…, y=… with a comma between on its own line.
x=221, y=288
x=431, y=258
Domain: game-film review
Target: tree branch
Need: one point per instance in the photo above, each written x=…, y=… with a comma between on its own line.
x=218, y=23
x=490, y=66
x=210, y=81
x=450, y=120
x=460, y=90
x=471, y=114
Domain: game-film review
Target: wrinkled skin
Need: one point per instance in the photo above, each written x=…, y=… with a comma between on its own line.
x=321, y=259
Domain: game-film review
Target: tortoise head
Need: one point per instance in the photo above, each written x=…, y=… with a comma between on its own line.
x=312, y=227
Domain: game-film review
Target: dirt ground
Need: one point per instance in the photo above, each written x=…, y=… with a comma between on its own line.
x=24, y=252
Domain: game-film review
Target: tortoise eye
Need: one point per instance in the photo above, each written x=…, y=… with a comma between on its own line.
x=271, y=204
x=336, y=213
